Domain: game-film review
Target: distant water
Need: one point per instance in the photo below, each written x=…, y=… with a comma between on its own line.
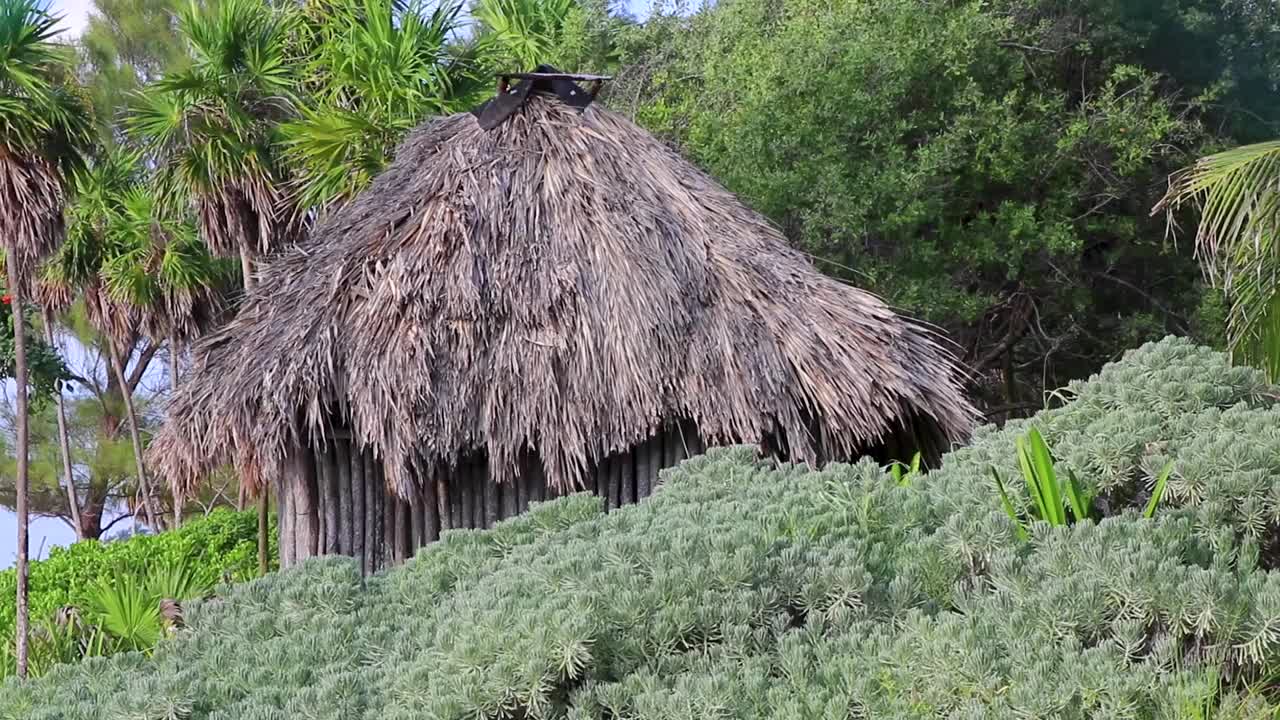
x=46, y=533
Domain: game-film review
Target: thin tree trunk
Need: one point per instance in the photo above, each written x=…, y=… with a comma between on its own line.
x=134, y=435
x=178, y=495
x=64, y=444
x=22, y=619
x=264, y=525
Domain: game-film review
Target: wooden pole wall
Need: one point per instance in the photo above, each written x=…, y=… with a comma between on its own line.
x=334, y=500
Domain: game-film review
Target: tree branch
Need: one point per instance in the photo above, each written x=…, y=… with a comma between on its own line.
x=140, y=368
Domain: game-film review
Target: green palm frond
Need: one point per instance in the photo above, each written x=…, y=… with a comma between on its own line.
x=1238, y=240
x=212, y=125
x=523, y=32
x=377, y=68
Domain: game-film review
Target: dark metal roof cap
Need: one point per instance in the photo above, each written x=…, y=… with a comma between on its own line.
x=544, y=79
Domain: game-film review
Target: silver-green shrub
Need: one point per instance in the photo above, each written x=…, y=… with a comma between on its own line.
x=744, y=590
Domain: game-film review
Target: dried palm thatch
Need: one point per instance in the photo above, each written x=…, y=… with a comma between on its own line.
x=31, y=200
x=562, y=283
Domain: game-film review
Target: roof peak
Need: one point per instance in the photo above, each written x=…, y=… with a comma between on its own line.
x=543, y=79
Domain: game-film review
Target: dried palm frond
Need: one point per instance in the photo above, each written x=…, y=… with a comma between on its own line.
x=563, y=282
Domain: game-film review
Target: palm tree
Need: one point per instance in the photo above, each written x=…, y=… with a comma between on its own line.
x=375, y=70
x=212, y=128
x=1238, y=241
x=43, y=124
x=101, y=189
x=161, y=272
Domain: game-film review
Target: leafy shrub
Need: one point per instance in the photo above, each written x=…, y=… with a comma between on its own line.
x=223, y=545
x=746, y=590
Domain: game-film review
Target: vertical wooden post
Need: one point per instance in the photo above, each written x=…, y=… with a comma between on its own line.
x=605, y=472
x=468, y=490
x=670, y=449
x=388, y=527
x=342, y=457
x=521, y=483
x=509, y=500
x=443, y=493
x=284, y=521
x=331, y=508
x=600, y=479
x=307, y=521
x=491, y=491
x=359, y=522
x=415, y=520
x=374, y=517
x=322, y=499
x=626, y=462
x=431, y=511
x=537, y=484
x=644, y=453
x=456, y=488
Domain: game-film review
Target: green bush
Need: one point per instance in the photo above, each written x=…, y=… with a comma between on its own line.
x=746, y=590
x=223, y=544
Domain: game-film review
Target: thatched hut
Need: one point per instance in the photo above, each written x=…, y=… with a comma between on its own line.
x=536, y=298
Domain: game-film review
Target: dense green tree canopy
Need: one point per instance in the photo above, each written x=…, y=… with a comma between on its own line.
x=990, y=167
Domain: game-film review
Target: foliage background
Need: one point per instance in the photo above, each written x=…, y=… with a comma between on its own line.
x=223, y=544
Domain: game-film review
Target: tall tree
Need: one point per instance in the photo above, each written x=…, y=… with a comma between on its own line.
x=43, y=124
x=1238, y=241
x=213, y=128
x=79, y=267
x=125, y=45
x=162, y=274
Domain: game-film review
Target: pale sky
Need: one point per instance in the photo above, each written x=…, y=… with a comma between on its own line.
x=75, y=14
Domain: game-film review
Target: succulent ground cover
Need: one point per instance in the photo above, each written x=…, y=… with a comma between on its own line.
x=747, y=590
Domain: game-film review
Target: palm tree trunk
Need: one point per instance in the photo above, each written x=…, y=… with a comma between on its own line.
x=134, y=435
x=64, y=445
x=246, y=268
x=20, y=450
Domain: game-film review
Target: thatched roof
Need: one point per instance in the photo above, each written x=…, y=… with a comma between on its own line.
x=562, y=282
